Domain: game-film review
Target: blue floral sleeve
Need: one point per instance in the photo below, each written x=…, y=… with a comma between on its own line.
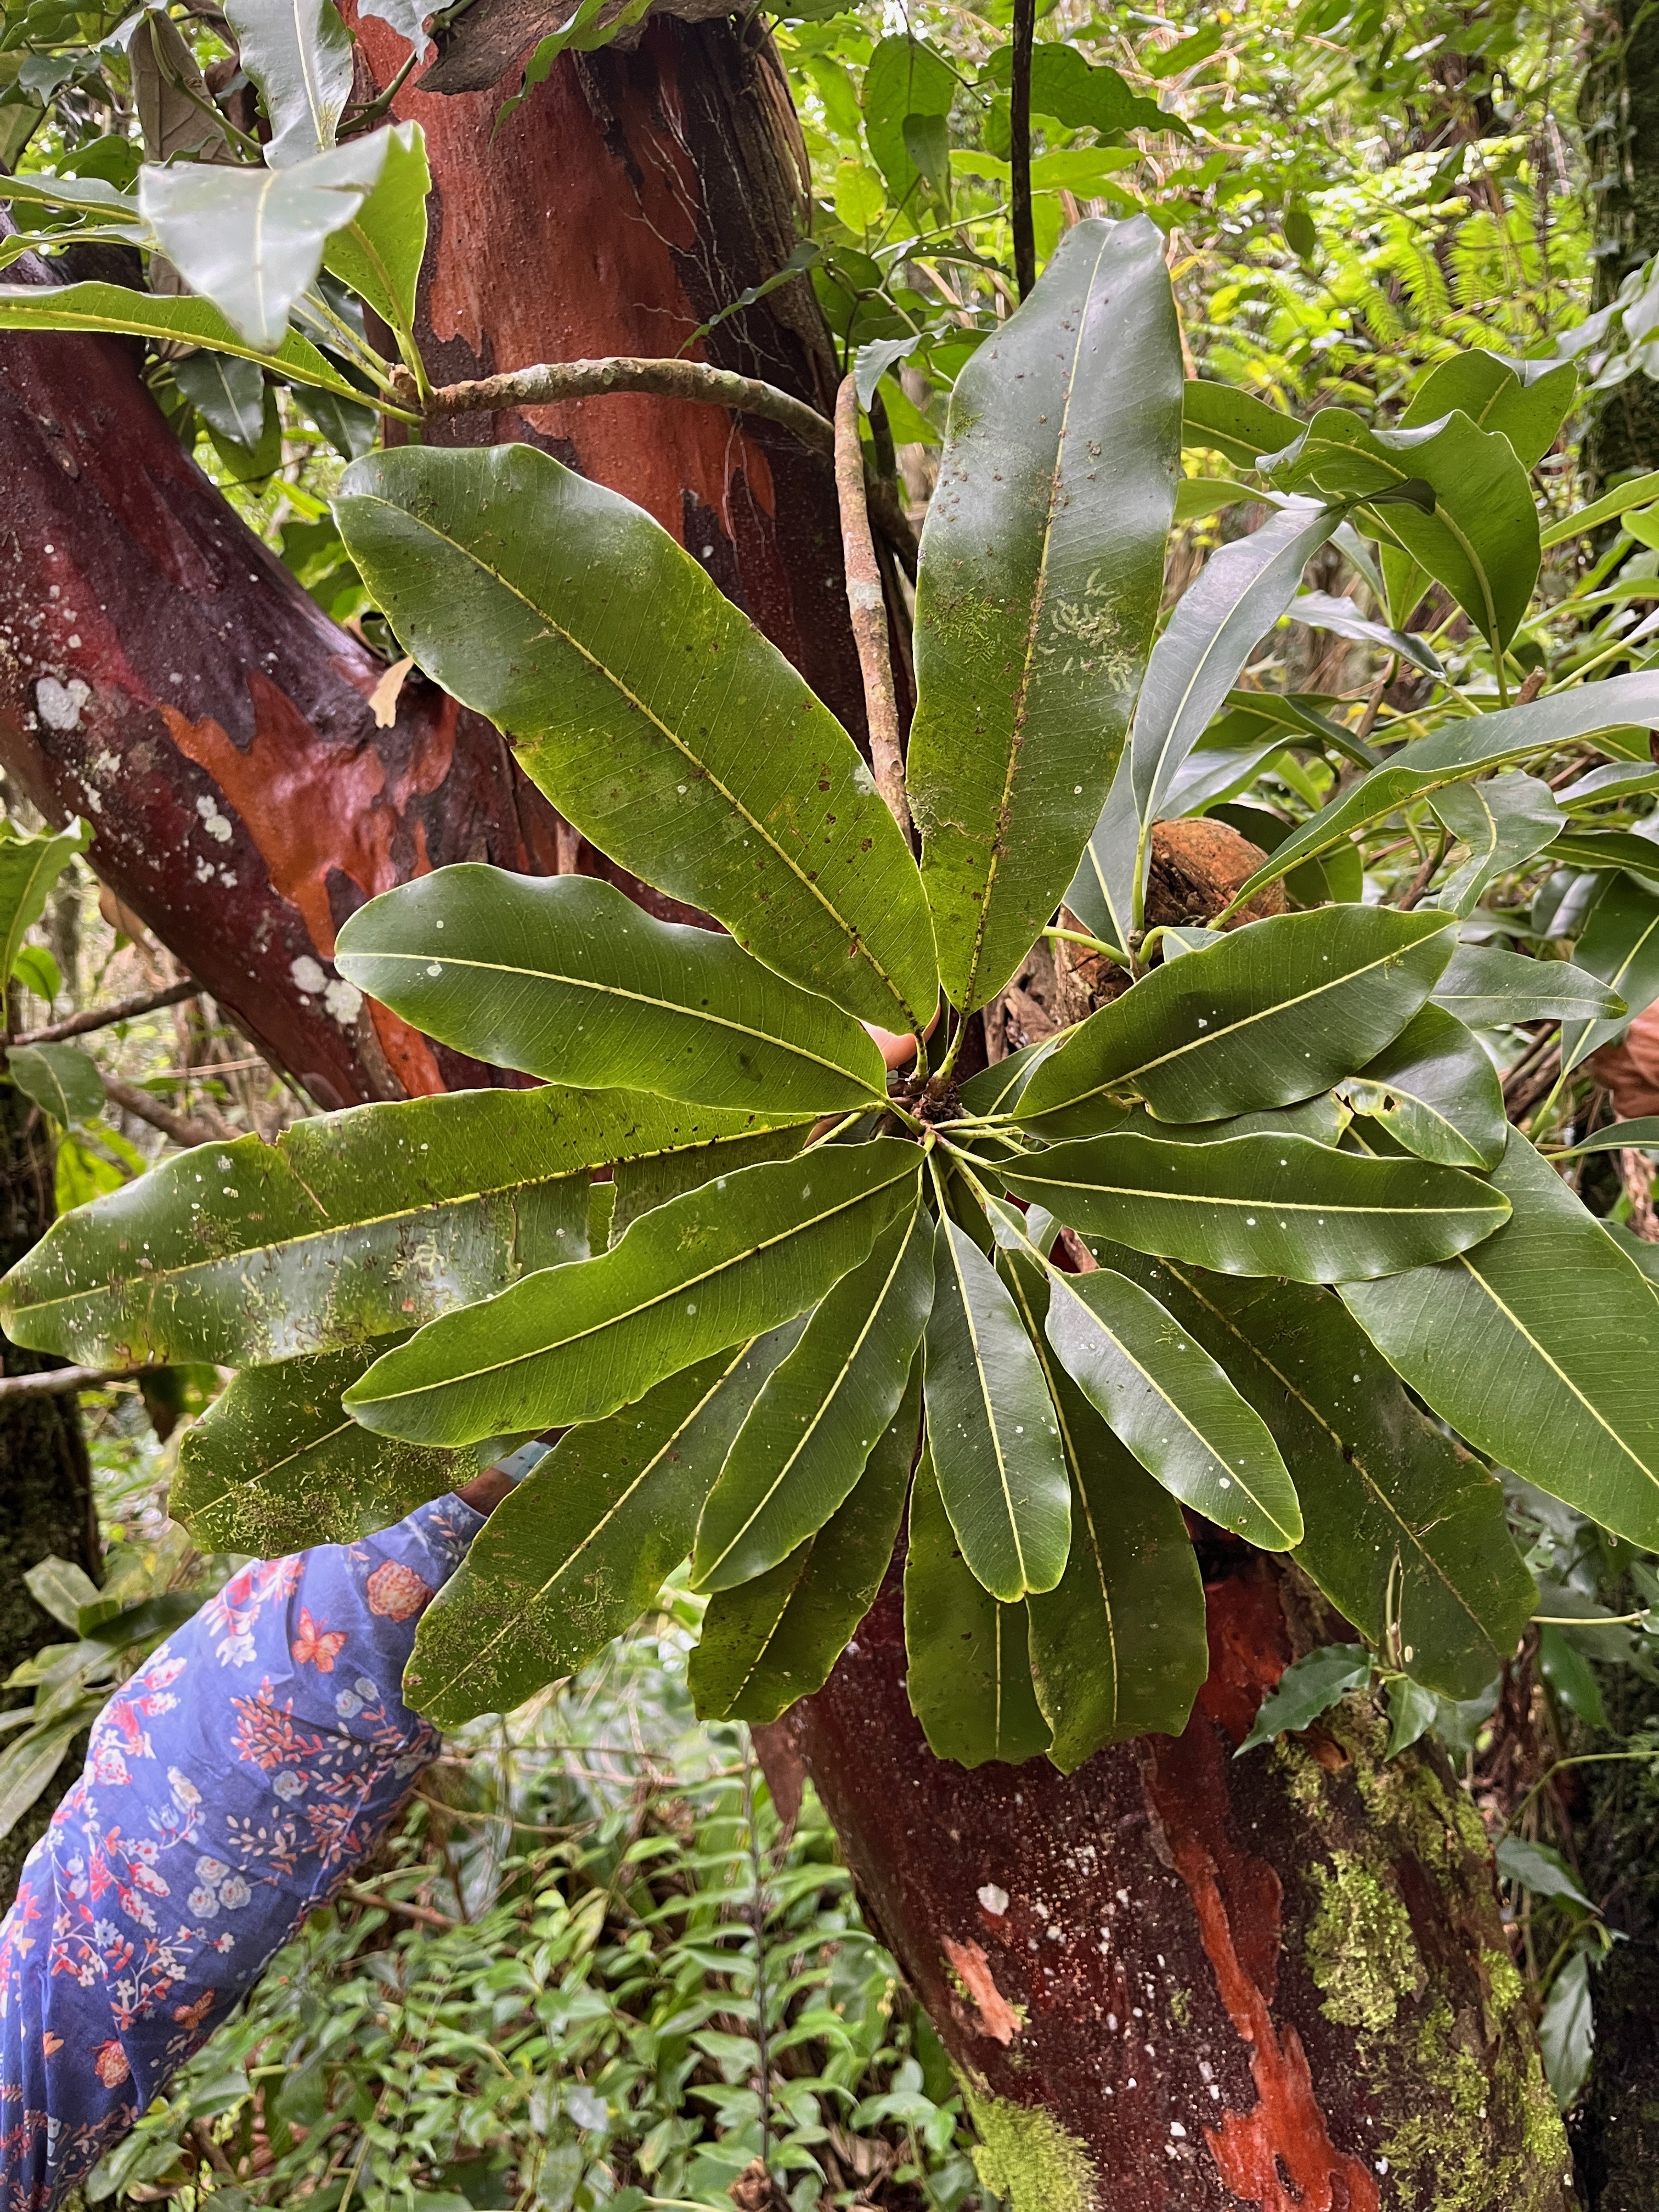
x=230, y=1786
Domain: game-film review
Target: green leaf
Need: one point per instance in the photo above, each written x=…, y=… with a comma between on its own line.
x=1481, y=539
x=1526, y=400
x=251, y=240
x=1163, y=1395
x=1585, y=846
x=30, y=1763
x=1273, y=1013
x=228, y=391
x=567, y=978
x=1402, y=1525
x=904, y=78
x=1536, y=1867
x=275, y=1465
x=1412, y=1710
x=1342, y=618
x=1504, y=821
x=638, y=1186
x=145, y=315
x=1232, y=424
x=997, y=1089
x=1436, y=1090
x=1645, y=1131
x=1263, y=1205
x=1460, y=750
x=29, y=866
x=993, y=1438
x=1641, y=491
x=1081, y=94
x=583, y=1544
x=35, y=969
x=771, y=1641
x=351, y=1225
x=1492, y=989
x=63, y=1589
x=1553, y=1307
x=1566, y=2034
x=1119, y=1647
x=1620, y=947
x=648, y=707
x=299, y=56
x=1234, y=600
x=708, y=1269
x=378, y=252
x=62, y=1081
x=968, y=1662
x=1038, y=591
x=805, y=1442
x=1309, y=1686
x=1571, y=1676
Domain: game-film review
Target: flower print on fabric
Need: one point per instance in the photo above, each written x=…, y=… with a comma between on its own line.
x=229, y=1787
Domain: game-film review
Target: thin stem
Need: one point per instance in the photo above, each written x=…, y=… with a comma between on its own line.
x=100, y=1018
x=1094, y=944
x=1582, y=1759
x=183, y=1129
x=1601, y=1621
x=757, y=1922
x=362, y=118
x=866, y=605
x=1020, y=147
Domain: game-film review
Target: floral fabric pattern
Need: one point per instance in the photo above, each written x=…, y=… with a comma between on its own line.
x=229, y=1787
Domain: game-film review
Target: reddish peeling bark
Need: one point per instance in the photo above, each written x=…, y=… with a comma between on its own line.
x=1278, y=1982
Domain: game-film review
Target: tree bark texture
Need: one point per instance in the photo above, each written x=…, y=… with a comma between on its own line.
x=45, y=1475
x=1177, y=1982
x=1618, y=112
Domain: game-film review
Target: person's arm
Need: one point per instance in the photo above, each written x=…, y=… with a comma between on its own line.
x=233, y=1785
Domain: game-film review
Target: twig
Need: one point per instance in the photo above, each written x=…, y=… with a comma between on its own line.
x=1420, y=881
x=866, y=603
x=1374, y=703
x=58, y=1382
x=183, y=1129
x=102, y=1017
x=1020, y=147
x=423, y=1913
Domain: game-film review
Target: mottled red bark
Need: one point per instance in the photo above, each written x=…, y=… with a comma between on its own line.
x=1134, y=1950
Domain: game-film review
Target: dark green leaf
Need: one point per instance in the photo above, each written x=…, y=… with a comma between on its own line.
x=1308, y=1687
x=378, y=252
x=990, y=1428
x=1504, y=821
x=710, y=1269
x=1402, y=1525
x=1536, y=1867
x=968, y=1670
x=1263, y=1205
x=1620, y=947
x=275, y=1465
x=638, y=1186
x=1526, y=400
x=350, y=1226
x=1412, y=1710
x=1081, y=94
x=1272, y=1014
x=1436, y=1090
x=1232, y=424
x=903, y=78
x=299, y=56
x=1164, y=1396
x=228, y=391
x=806, y=1441
x=776, y=1640
x=1119, y=1647
x=1342, y=618
x=29, y=866
x=251, y=240
x=1490, y=989
x=1481, y=541
x=62, y=1081
x=651, y=712
x=1566, y=2032
x=1553, y=1308
x=1460, y=749
x=1645, y=1131
x=583, y=1544
x=1571, y=1676
x=997, y=1089
x=1038, y=591
x=567, y=978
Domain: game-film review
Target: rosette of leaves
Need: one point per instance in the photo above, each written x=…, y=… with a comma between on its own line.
x=790, y=1311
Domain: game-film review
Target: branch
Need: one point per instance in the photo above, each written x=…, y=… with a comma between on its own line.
x=866, y=603
x=122, y=1010
x=58, y=1382
x=1020, y=147
x=549, y=382
x=183, y=1129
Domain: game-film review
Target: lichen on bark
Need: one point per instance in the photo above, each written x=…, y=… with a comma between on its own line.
x=1026, y=2158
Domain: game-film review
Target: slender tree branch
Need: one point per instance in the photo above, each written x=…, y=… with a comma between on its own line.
x=59, y=1382
x=122, y=1010
x=1019, y=146
x=183, y=1129
x=866, y=605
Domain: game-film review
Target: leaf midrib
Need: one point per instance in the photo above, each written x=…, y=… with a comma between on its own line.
x=1262, y=1205
x=859, y=949
x=951, y=1233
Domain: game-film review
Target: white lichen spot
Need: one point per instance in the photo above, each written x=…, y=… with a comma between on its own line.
x=216, y=824
x=308, y=974
x=58, y=705
x=994, y=1900
x=864, y=781
x=343, y=1000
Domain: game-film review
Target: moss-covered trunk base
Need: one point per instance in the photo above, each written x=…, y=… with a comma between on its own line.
x=1180, y=1981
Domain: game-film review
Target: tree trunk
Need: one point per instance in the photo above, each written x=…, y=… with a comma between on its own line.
x=45, y=1475
x=1618, y=112
x=1177, y=1982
